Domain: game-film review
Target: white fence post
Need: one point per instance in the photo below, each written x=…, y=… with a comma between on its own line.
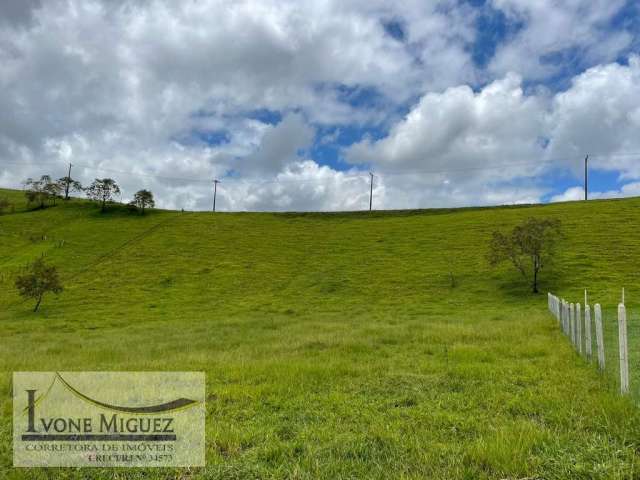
x=565, y=320
x=579, y=328
x=587, y=330
x=622, y=339
x=572, y=322
x=599, y=337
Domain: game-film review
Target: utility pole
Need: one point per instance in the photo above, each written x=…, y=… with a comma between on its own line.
x=66, y=188
x=215, y=191
x=371, y=191
x=586, y=177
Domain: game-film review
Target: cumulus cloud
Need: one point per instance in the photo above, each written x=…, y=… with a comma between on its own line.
x=461, y=129
x=143, y=87
x=577, y=193
x=170, y=95
x=303, y=185
x=280, y=145
x=600, y=115
x=500, y=134
x=557, y=35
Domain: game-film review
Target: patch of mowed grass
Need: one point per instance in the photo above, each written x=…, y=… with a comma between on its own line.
x=336, y=345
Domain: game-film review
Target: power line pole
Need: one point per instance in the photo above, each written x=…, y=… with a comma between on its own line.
x=66, y=188
x=586, y=177
x=215, y=191
x=371, y=191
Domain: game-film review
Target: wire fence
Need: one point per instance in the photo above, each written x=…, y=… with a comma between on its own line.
x=606, y=337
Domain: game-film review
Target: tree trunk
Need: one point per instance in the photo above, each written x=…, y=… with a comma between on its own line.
x=38, y=303
x=535, y=280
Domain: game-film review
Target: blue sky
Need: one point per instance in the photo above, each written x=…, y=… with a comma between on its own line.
x=290, y=103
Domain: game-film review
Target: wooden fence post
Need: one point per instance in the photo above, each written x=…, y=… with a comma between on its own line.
x=622, y=341
x=579, y=328
x=599, y=337
x=587, y=330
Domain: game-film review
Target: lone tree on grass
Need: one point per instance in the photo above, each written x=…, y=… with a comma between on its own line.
x=42, y=191
x=69, y=185
x=39, y=279
x=528, y=247
x=5, y=204
x=143, y=199
x=103, y=190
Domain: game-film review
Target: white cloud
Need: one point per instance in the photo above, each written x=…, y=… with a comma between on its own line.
x=570, y=194
x=279, y=146
x=577, y=193
x=600, y=115
x=469, y=135
x=574, y=32
x=302, y=185
x=130, y=88
x=464, y=133
x=120, y=86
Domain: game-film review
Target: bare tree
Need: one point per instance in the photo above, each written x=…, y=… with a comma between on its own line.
x=143, y=199
x=39, y=279
x=103, y=190
x=529, y=247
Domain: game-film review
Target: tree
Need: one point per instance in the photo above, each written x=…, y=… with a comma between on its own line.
x=39, y=279
x=529, y=247
x=103, y=190
x=69, y=185
x=5, y=204
x=52, y=189
x=143, y=199
x=41, y=191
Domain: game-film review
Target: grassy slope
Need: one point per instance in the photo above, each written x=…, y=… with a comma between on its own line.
x=334, y=344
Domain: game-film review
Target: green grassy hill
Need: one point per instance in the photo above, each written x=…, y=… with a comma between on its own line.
x=337, y=345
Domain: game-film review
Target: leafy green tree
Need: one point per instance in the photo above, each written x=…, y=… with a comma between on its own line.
x=103, y=190
x=42, y=191
x=529, y=247
x=69, y=185
x=37, y=281
x=143, y=199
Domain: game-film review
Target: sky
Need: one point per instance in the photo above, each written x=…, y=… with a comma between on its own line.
x=291, y=103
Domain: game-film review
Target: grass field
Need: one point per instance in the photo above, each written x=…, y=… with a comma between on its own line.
x=337, y=345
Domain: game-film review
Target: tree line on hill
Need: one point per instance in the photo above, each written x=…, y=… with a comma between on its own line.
x=46, y=191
